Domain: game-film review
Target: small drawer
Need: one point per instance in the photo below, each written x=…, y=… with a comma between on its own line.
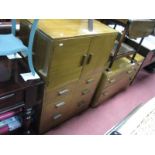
x=10, y=99
x=63, y=106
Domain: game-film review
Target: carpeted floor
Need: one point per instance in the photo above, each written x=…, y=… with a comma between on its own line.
x=98, y=120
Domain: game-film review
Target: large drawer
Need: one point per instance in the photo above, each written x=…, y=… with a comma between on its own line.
x=109, y=78
x=59, y=94
x=53, y=116
x=106, y=93
x=11, y=98
x=89, y=81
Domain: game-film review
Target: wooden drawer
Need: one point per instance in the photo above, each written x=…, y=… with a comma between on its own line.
x=82, y=104
x=53, y=116
x=90, y=81
x=11, y=98
x=109, y=78
x=63, y=105
x=106, y=93
x=53, y=96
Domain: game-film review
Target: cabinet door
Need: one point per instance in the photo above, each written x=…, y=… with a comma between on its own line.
x=67, y=60
x=98, y=53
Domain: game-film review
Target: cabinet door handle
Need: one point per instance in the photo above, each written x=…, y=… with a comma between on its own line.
x=60, y=104
x=83, y=60
x=57, y=116
x=63, y=92
x=89, y=81
x=89, y=58
x=85, y=91
x=7, y=96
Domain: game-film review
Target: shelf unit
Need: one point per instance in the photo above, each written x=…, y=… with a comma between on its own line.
x=16, y=94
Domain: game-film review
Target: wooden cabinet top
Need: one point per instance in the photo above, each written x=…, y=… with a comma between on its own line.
x=64, y=28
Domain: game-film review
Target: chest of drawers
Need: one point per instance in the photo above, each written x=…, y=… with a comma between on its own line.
x=120, y=77
x=70, y=59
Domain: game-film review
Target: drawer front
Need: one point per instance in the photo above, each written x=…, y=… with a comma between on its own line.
x=109, y=79
x=111, y=90
x=83, y=104
x=53, y=96
x=52, y=116
x=63, y=105
x=10, y=99
x=89, y=82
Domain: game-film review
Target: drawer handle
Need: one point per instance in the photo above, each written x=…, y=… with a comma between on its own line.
x=60, y=104
x=86, y=91
x=7, y=96
x=81, y=104
x=90, y=81
x=105, y=93
x=63, y=92
x=129, y=71
x=112, y=81
x=57, y=116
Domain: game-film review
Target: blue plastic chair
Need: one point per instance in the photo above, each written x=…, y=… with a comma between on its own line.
x=10, y=44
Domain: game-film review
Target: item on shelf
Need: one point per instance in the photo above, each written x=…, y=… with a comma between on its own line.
x=10, y=124
x=9, y=114
x=4, y=129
